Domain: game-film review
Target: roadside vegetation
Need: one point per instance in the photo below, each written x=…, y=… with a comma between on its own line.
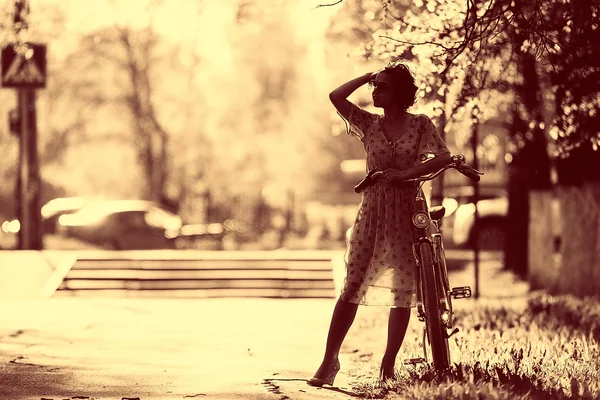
x=539, y=347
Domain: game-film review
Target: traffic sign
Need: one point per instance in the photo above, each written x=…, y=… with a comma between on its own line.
x=23, y=66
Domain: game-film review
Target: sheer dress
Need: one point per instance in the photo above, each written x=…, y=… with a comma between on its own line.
x=380, y=266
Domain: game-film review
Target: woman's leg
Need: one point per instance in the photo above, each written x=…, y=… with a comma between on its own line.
x=341, y=321
x=397, y=325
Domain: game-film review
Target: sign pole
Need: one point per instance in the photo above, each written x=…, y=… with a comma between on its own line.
x=25, y=217
x=30, y=218
x=23, y=67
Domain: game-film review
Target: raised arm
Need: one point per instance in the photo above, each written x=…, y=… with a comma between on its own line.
x=339, y=96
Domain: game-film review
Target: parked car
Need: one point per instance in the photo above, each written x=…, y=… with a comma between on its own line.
x=123, y=225
x=50, y=212
x=139, y=224
x=492, y=209
x=200, y=236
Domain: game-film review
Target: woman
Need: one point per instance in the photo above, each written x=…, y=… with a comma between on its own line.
x=379, y=260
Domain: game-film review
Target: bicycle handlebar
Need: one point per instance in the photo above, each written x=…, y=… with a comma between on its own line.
x=458, y=163
x=470, y=173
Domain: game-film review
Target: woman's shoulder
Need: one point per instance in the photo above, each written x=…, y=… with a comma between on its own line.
x=355, y=108
x=370, y=110
x=423, y=120
x=418, y=119
x=421, y=117
x=370, y=116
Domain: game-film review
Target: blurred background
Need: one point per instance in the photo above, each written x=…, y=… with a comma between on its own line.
x=205, y=124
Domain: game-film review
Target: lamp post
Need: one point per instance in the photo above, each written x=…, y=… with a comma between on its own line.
x=475, y=164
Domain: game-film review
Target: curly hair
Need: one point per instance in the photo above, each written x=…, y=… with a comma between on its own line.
x=404, y=83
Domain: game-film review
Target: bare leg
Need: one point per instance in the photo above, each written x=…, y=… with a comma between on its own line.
x=341, y=321
x=397, y=325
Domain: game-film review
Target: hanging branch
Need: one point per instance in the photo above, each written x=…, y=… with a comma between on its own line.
x=415, y=43
x=497, y=17
x=328, y=5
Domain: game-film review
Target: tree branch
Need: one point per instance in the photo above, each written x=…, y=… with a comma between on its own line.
x=328, y=5
x=415, y=43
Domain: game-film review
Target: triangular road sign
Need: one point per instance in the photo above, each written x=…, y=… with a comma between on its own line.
x=23, y=71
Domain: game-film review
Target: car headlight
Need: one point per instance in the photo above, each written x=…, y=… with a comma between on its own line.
x=13, y=226
x=465, y=211
x=450, y=205
x=420, y=220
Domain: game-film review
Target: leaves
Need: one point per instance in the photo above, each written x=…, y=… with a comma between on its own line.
x=232, y=97
x=445, y=37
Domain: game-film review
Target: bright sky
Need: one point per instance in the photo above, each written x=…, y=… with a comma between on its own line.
x=208, y=27
x=179, y=20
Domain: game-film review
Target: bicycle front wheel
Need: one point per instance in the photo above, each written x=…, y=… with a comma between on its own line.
x=433, y=317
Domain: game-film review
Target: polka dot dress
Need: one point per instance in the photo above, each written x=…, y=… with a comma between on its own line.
x=380, y=266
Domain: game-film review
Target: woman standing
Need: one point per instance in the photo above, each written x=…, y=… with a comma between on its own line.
x=380, y=266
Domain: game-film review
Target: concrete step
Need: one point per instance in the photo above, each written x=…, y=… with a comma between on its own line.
x=172, y=284
x=202, y=293
x=201, y=274
x=198, y=274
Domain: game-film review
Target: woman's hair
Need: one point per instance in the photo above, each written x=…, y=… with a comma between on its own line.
x=403, y=82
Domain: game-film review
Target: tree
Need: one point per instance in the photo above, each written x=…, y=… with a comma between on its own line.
x=574, y=72
x=530, y=42
x=136, y=109
x=131, y=54
x=114, y=91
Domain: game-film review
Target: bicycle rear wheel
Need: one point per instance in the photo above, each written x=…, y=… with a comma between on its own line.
x=433, y=318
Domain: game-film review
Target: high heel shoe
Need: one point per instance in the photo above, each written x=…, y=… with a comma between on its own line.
x=328, y=380
x=386, y=381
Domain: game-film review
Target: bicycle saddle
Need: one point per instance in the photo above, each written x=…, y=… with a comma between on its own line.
x=437, y=212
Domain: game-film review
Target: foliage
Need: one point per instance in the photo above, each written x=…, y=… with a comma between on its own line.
x=582, y=314
x=140, y=104
x=475, y=45
x=574, y=70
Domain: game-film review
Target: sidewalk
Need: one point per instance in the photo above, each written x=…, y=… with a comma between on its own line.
x=107, y=349
x=158, y=349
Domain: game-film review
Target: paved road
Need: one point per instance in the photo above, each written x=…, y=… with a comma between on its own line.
x=157, y=348
x=145, y=348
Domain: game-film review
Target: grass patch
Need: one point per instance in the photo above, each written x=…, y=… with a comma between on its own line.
x=577, y=313
x=542, y=348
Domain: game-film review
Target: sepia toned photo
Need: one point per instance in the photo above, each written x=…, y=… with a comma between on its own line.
x=299, y=199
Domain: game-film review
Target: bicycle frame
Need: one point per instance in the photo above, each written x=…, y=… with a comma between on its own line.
x=434, y=295
x=428, y=251
x=430, y=235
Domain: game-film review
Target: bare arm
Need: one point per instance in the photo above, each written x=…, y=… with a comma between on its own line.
x=339, y=96
x=428, y=167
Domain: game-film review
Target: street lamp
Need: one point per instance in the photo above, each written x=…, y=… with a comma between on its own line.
x=475, y=164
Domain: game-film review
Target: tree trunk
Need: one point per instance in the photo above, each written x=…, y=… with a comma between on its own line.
x=579, y=272
x=530, y=165
x=543, y=268
x=517, y=227
x=437, y=185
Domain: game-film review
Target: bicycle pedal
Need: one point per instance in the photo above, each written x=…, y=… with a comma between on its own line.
x=461, y=292
x=414, y=361
x=454, y=332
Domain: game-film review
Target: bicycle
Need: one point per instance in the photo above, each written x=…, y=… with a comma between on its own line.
x=434, y=295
